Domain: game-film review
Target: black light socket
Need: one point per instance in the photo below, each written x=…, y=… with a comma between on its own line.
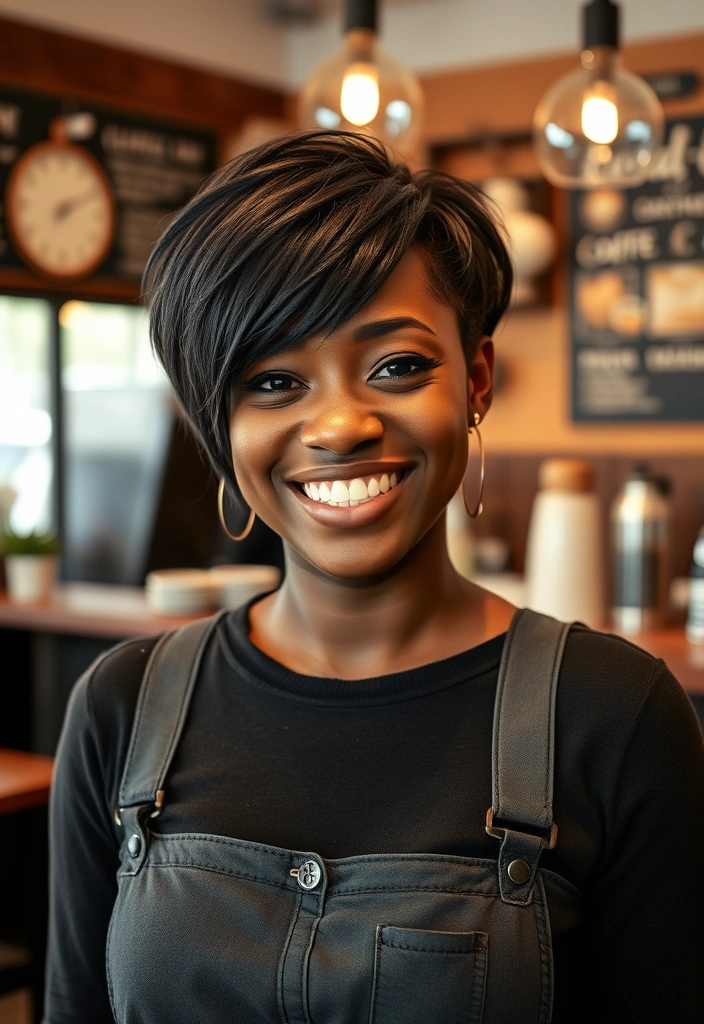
x=361, y=14
x=601, y=24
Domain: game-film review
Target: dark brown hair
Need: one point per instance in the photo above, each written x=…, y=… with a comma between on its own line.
x=292, y=239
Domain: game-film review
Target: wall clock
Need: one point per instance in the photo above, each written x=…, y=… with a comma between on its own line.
x=60, y=210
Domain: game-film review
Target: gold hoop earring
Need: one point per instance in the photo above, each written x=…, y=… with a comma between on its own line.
x=221, y=513
x=479, y=507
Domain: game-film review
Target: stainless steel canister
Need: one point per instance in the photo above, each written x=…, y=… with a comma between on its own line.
x=640, y=525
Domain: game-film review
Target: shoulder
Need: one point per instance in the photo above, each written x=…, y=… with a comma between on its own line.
x=612, y=695
x=100, y=713
x=607, y=671
x=111, y=683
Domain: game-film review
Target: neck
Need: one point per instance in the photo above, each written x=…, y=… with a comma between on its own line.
x=326, y=626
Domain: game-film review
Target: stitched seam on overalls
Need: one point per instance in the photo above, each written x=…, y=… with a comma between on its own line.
x=218, y=871
x=499, y=723
x=557, y=657
x=378, y=942
x=282, y=959
x=476, y=1008
x=544, y=958
x=223, y=841
x=442, y=952
x=410, y=858
x=306, y=963
x=412, y=888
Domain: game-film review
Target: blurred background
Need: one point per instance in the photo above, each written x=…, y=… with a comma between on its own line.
x=110, y=117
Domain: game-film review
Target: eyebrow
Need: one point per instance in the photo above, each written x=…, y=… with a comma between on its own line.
x=378, y=328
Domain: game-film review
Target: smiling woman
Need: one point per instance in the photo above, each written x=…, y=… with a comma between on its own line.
x=379, y=794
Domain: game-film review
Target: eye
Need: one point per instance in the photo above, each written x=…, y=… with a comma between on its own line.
x=404, y=366
x=272, y=381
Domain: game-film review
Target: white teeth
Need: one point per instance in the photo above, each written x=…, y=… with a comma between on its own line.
x=350, y=492
x=358, y=490
x=339, y=492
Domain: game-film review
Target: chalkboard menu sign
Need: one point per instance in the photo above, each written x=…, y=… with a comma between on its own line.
x=85, y=192
x=637, y=290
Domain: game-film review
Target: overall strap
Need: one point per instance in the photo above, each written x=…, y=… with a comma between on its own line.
x=523, y=749
x=164, y=697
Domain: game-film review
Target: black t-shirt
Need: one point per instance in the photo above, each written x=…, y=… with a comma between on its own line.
x=402, y=763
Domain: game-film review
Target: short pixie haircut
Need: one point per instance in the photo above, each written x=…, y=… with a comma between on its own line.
x=292, y=239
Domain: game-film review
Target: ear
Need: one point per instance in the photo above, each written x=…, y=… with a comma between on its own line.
x=480, y=379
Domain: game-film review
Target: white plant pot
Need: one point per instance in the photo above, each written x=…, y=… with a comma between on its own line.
x=30, y=578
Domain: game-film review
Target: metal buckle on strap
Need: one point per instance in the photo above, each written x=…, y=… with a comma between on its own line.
x=158, y=804
x=499, y=833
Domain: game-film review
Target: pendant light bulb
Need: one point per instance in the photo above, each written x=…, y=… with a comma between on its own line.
x=359, y=95
x=599, y=125
x=599, y=119
x=362, y=89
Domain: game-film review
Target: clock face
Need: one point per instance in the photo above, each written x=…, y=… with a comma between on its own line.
x=60, y=210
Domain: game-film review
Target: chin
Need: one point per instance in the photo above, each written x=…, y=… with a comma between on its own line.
x=354, y=566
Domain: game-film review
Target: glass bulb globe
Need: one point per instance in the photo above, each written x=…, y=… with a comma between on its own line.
x=597, y=126
x=362, y=89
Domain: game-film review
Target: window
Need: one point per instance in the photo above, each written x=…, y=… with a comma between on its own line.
x=26, y=422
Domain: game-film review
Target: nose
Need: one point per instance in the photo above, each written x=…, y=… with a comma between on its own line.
x=341, y=429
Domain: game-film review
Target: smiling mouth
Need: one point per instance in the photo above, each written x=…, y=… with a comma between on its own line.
x=348, y=493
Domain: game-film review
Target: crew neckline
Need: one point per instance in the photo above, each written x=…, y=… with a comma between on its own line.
x=266, y=673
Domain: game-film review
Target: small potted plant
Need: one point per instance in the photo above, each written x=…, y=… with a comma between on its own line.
x=30, y=565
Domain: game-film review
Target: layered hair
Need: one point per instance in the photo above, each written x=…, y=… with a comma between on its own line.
x=292, y=239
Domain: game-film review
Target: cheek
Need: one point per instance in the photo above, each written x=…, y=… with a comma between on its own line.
x=254, y=452
x=441, y=431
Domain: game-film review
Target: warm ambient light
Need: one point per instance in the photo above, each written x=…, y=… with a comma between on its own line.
x=363, y=89
x=359, y=97
x=599, y=125
x=599, y=119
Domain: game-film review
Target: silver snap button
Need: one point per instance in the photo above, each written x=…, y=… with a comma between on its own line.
x=308, y=875
x=134, y=846
x=518, y=871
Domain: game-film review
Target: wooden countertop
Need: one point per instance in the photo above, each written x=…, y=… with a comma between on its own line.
x=684, y=660
x=24, y=780
x=89, y=609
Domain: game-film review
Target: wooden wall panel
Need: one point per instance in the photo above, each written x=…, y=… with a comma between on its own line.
x=50, y=61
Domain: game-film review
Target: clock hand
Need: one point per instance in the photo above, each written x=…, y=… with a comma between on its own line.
x=67, y=206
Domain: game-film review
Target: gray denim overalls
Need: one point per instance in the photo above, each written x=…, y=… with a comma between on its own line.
x=212, y=930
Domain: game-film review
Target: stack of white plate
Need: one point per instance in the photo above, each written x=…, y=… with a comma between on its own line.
x=181, y=591
x=238, y=584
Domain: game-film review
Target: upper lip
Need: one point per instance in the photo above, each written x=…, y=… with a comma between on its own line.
x=349, y=472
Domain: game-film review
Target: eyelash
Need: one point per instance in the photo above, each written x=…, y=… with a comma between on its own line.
x=420, y=364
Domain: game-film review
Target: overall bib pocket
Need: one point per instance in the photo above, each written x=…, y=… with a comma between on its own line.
x=421, y=977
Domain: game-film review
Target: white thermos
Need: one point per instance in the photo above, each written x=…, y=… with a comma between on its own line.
x=564, y=553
